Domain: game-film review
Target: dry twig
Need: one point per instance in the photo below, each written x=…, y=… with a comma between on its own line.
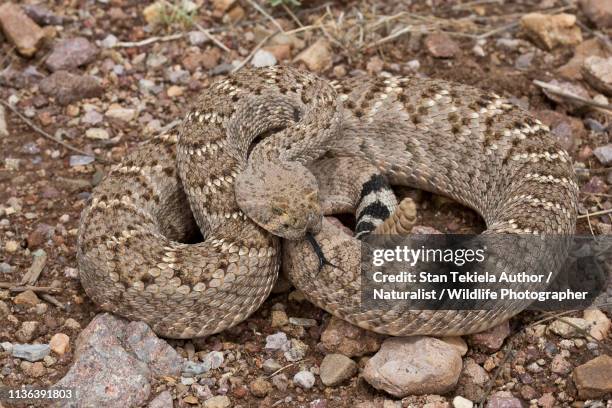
x=212, y=38
x=265, y=13
x=18, y=288
x=150, y=40
x=53, y=301
x=568, y=95
x=48, y=136
x=293, y=16
x=593, y=214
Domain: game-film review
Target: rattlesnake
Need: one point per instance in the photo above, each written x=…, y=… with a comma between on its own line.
x=263, y=133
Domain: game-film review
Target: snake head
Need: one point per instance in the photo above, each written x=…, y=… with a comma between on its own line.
x=281, y=197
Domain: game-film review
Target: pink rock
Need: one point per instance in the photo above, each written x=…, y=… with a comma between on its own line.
x=414, y=366
x=71, y=53
x=492, y=339
x=19, y=29
x=344, y=338
x=441, y=45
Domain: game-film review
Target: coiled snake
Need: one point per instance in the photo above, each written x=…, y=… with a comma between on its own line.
x=253, y=143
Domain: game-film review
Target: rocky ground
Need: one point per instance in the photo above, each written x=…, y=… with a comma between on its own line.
x=82, y=82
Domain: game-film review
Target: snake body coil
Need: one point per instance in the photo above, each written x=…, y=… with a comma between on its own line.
x=475, y=147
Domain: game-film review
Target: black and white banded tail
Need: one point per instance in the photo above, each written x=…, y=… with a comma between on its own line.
x=376, y=203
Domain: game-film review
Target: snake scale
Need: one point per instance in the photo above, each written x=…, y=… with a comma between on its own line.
x=260, y=151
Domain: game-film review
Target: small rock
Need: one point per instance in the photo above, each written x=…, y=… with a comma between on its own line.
x=560, y=365
x=109, y=41
x=197, y=38
x=318, y=403
x=59, y=343
x=72, y=324
x=156, y=60
x=163, y=400
x=214, y=359
x=569, y=87
x=344, y=338
x=147, y=86
x=208, y=59
x=5, y=268
x=270, y=365
x=598, y=73
x=600, y=324
x=27, y=331
x=30, y=352
x=566, y=330
x=478, y=50
x=178, y=76
x=263, y=58
x=413, y=65
x=457, y=342
x=79, y=160
x=593, y=379
x=221, y=6
x=375, y=65
x=595, y=125
x=414, y=366
x=260, y=387
x=34, y=370
x=565, y=129
x=473, y=379
x=220, y=401
x=460, y=402
x=152, y=13
x=491, y=339
x=503, y=399
x=278, y=341
x=175, y=91
x=595, y=185
x=588, y=48
x=92, y=117
x=441, y=45
x=547, y=400
x=187, y=380
x=20, y=30
x=120, y=113
x=297, y=351
x=28, y=298
x=281, y=382
x=279, y=318
x=335, y=368
x=550, y=31
x=317, y=57
x=280, y=51
x=11, y=246
x=598, y=11
x=304, y=379
x=604, y=154
x=67, y=88
x=97, y=134
x=42, y=15
x=211, y=361
x=523, y=62
x=71, y=53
